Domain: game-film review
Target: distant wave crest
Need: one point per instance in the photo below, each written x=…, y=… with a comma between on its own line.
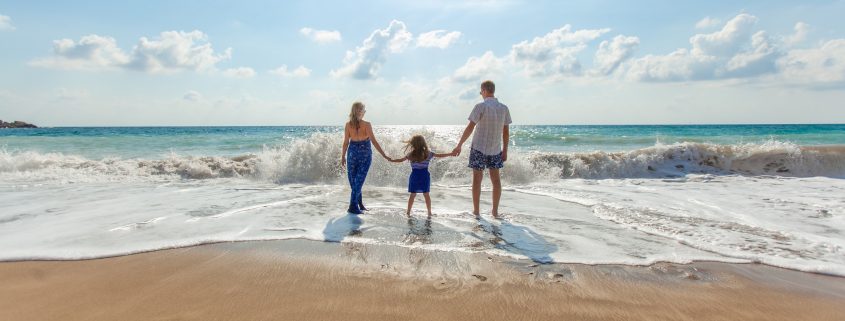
x=317, y=160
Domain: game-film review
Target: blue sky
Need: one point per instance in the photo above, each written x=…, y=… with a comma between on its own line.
x=98, y=63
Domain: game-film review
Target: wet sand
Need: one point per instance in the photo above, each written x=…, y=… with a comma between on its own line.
x=306, y=280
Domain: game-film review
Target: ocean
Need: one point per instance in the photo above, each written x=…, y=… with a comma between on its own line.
x=636, y=195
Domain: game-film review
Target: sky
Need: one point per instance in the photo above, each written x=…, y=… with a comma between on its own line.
x=204, y=63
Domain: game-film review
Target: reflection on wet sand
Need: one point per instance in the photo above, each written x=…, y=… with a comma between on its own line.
x=517, y=239
x=419, y=230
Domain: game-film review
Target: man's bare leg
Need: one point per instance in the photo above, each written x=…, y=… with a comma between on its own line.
x=477, y=175
x=497, y=190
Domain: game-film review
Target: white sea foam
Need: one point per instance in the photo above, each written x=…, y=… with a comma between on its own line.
x=776, y=203
x=316, y=160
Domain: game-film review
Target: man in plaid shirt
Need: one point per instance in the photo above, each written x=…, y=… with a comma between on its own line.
x=490, y=120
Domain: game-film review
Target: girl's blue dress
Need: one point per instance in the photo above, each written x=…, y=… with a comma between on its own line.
x=420, y=179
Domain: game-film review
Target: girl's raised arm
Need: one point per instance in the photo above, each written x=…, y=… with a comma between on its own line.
x=444, y=154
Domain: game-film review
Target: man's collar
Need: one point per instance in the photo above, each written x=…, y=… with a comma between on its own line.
x=486, y=98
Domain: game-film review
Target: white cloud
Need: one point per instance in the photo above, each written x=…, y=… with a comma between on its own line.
x=321, y=36
x=240, y=72
x=823, y=66
x=283, y=71
x=470, y=93
x=6, y=23
x=192, y=95
x=612, y=53
x=801, y=31
x=367, y=59
x=554, y=53
x=90, y=53
x=172, y=51
x=727, y=41
x=438, y=39
x=676, y=66
x=735, y=51
x=478, y=68
x=759, y=60
x=708, y=23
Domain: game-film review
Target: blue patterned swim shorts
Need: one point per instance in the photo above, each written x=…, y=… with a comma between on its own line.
x=479, y=161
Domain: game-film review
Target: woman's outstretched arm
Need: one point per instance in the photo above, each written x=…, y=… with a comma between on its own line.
x=375, y=141
x=398, y=160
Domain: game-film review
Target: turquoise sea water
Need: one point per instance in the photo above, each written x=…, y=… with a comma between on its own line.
x=155, y=142
x=582, y=194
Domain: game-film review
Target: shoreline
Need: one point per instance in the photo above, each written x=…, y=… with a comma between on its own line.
x=301, y=279
x=501, y=258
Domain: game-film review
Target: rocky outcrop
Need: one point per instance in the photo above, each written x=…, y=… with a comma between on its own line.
x=16, y=124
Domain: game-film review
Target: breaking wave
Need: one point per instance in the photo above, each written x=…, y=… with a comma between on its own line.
x=317, y=160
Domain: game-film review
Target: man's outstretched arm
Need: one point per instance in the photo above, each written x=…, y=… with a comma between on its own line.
x=467, y=132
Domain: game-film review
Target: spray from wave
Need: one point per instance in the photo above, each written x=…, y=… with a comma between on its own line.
x=316, y=160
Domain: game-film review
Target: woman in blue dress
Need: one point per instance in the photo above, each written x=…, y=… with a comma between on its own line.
x=357, y=155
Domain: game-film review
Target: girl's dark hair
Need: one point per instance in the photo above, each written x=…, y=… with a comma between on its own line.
x=419, y=149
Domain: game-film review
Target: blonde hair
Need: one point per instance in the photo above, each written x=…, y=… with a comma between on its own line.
x=353, y=114
x=419, y=149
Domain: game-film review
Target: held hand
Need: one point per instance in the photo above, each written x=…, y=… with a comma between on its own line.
x=504, y=156
x=457, y=151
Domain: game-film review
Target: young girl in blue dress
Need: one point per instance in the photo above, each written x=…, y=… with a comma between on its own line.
x=420, y=179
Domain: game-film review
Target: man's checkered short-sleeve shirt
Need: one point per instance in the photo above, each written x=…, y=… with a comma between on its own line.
x=489, y=116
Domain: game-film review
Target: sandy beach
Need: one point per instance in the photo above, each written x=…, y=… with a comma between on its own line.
x=307, y=280
x=422, y=160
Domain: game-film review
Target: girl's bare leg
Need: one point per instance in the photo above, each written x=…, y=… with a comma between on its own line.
x=410, y=203
x=427, y=203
